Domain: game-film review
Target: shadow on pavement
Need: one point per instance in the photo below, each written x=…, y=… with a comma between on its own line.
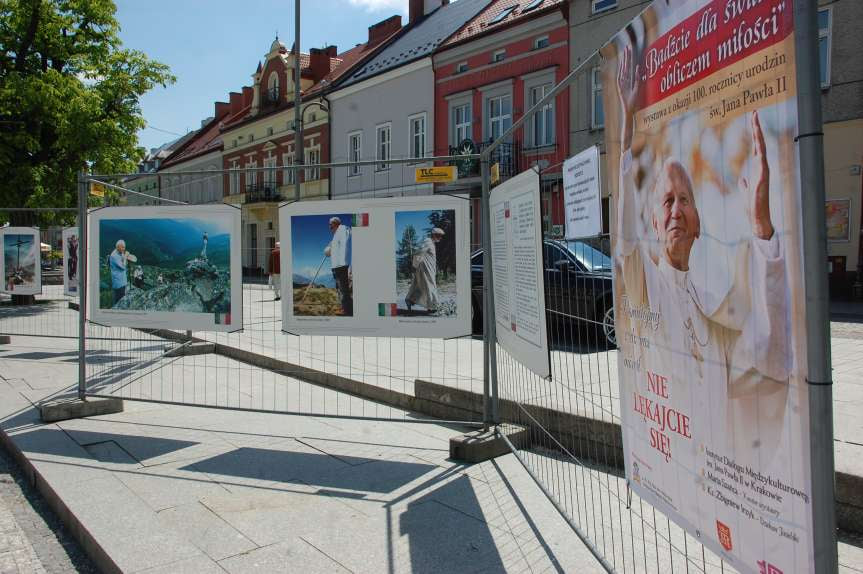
x=310, y=468
x=56, y=443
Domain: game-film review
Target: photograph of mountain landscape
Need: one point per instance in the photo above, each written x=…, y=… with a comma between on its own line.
x=320, y=259
x=166, y=265
x=21, y=261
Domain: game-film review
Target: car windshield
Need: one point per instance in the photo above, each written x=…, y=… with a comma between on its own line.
x=593, y=259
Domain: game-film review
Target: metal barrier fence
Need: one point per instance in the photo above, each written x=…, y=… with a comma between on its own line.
x=47, y=313
x=261, y=368
x=574, y=450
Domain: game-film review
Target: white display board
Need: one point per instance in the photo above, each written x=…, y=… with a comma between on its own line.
x=168, y=267
x=518, y=280
x=70, y=261
x=375, y=267
x=21, y=267
x=582, y=197
x=708, y=276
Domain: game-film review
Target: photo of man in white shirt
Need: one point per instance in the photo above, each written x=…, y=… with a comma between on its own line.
x=337, y=251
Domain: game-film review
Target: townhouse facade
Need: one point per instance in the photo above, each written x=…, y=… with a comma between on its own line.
x=200, y=153
x=385, y=109
x=500, y=64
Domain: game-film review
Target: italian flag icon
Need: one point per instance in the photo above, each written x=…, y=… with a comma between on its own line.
x=387, y=309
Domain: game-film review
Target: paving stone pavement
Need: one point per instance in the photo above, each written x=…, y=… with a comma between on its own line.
x=32, y=539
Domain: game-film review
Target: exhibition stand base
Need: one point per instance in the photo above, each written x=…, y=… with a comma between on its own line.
x=65, y=409
x=482, y=445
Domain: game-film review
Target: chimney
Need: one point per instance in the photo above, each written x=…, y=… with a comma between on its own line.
x=222, y=109
x=248, y=92
x=319, y=62
x=332, y=51
x=419, y=9
x=383, y=30
x=415, y=11
x=236, y=102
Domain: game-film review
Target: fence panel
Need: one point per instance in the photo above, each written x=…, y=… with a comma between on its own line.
x=49, y=313
x=261, y=368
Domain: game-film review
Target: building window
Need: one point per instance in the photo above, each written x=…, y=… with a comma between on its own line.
x=541, y=42
x=251, y=174
x=501, y=16
x=313, y=158
x=825, y=22
x=288, y=174
x=355, y=152
x=269, y=131
x=597, y=113
x=417, y=135
x=541, y=125
x=461, y=124
x=251, y=137
x=270, y=172
x=499, y=116
x=498, y=56
x=461, y=68
x=234, y=144
x=273, y=87
x=383, y=139
x=602, y=5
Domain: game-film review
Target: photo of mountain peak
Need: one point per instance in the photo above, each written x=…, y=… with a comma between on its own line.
x=177, y=264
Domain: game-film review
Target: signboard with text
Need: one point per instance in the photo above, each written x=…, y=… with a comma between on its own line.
x=701, y=116
x=582, y=199
x=518, y=282
x=437, y=174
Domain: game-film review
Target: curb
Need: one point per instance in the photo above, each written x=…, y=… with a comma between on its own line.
x=79, y=532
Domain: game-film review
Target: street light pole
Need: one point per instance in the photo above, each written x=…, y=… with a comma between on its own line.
x=298, y=100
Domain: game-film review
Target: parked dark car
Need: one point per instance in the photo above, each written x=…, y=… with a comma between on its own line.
x=578, y=291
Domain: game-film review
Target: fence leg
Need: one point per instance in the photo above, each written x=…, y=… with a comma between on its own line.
x=489, y=337
x=82, y=283
x=819, y=377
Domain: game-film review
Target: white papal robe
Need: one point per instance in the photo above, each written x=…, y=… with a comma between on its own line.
x=726, y=357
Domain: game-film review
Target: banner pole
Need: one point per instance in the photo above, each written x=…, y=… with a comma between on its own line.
x=83, y=194
x=819, y=377
x=489, y=338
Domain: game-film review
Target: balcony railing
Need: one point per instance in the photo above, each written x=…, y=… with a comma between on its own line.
x=258, y=193
x=506, y=155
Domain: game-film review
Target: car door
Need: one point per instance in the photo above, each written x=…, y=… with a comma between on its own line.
x=557, y=277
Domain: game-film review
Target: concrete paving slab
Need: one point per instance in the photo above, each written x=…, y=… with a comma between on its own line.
x=196, y=565
x=295, y=555
x=120, y=521
x=206, y=530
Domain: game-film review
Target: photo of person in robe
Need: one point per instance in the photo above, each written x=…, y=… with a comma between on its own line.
x=72, y=259
x=425, y=263
x=320, y=255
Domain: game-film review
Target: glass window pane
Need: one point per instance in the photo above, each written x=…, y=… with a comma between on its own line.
x=823, y=47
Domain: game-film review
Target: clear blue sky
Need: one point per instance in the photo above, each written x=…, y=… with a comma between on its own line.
x=310, y=234
x=213, y=46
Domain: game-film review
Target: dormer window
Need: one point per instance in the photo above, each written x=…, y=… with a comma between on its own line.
x=273, y=87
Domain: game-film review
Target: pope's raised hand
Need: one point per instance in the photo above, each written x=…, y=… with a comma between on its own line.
x=758, y=188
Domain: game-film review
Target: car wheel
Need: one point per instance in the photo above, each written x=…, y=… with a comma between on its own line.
x=608, y=326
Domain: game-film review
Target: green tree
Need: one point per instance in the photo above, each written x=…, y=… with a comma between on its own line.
x=408, y=245
x=69, y=100
x=444, y=219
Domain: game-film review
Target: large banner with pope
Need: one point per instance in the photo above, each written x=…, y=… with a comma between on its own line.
x=701, y=116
